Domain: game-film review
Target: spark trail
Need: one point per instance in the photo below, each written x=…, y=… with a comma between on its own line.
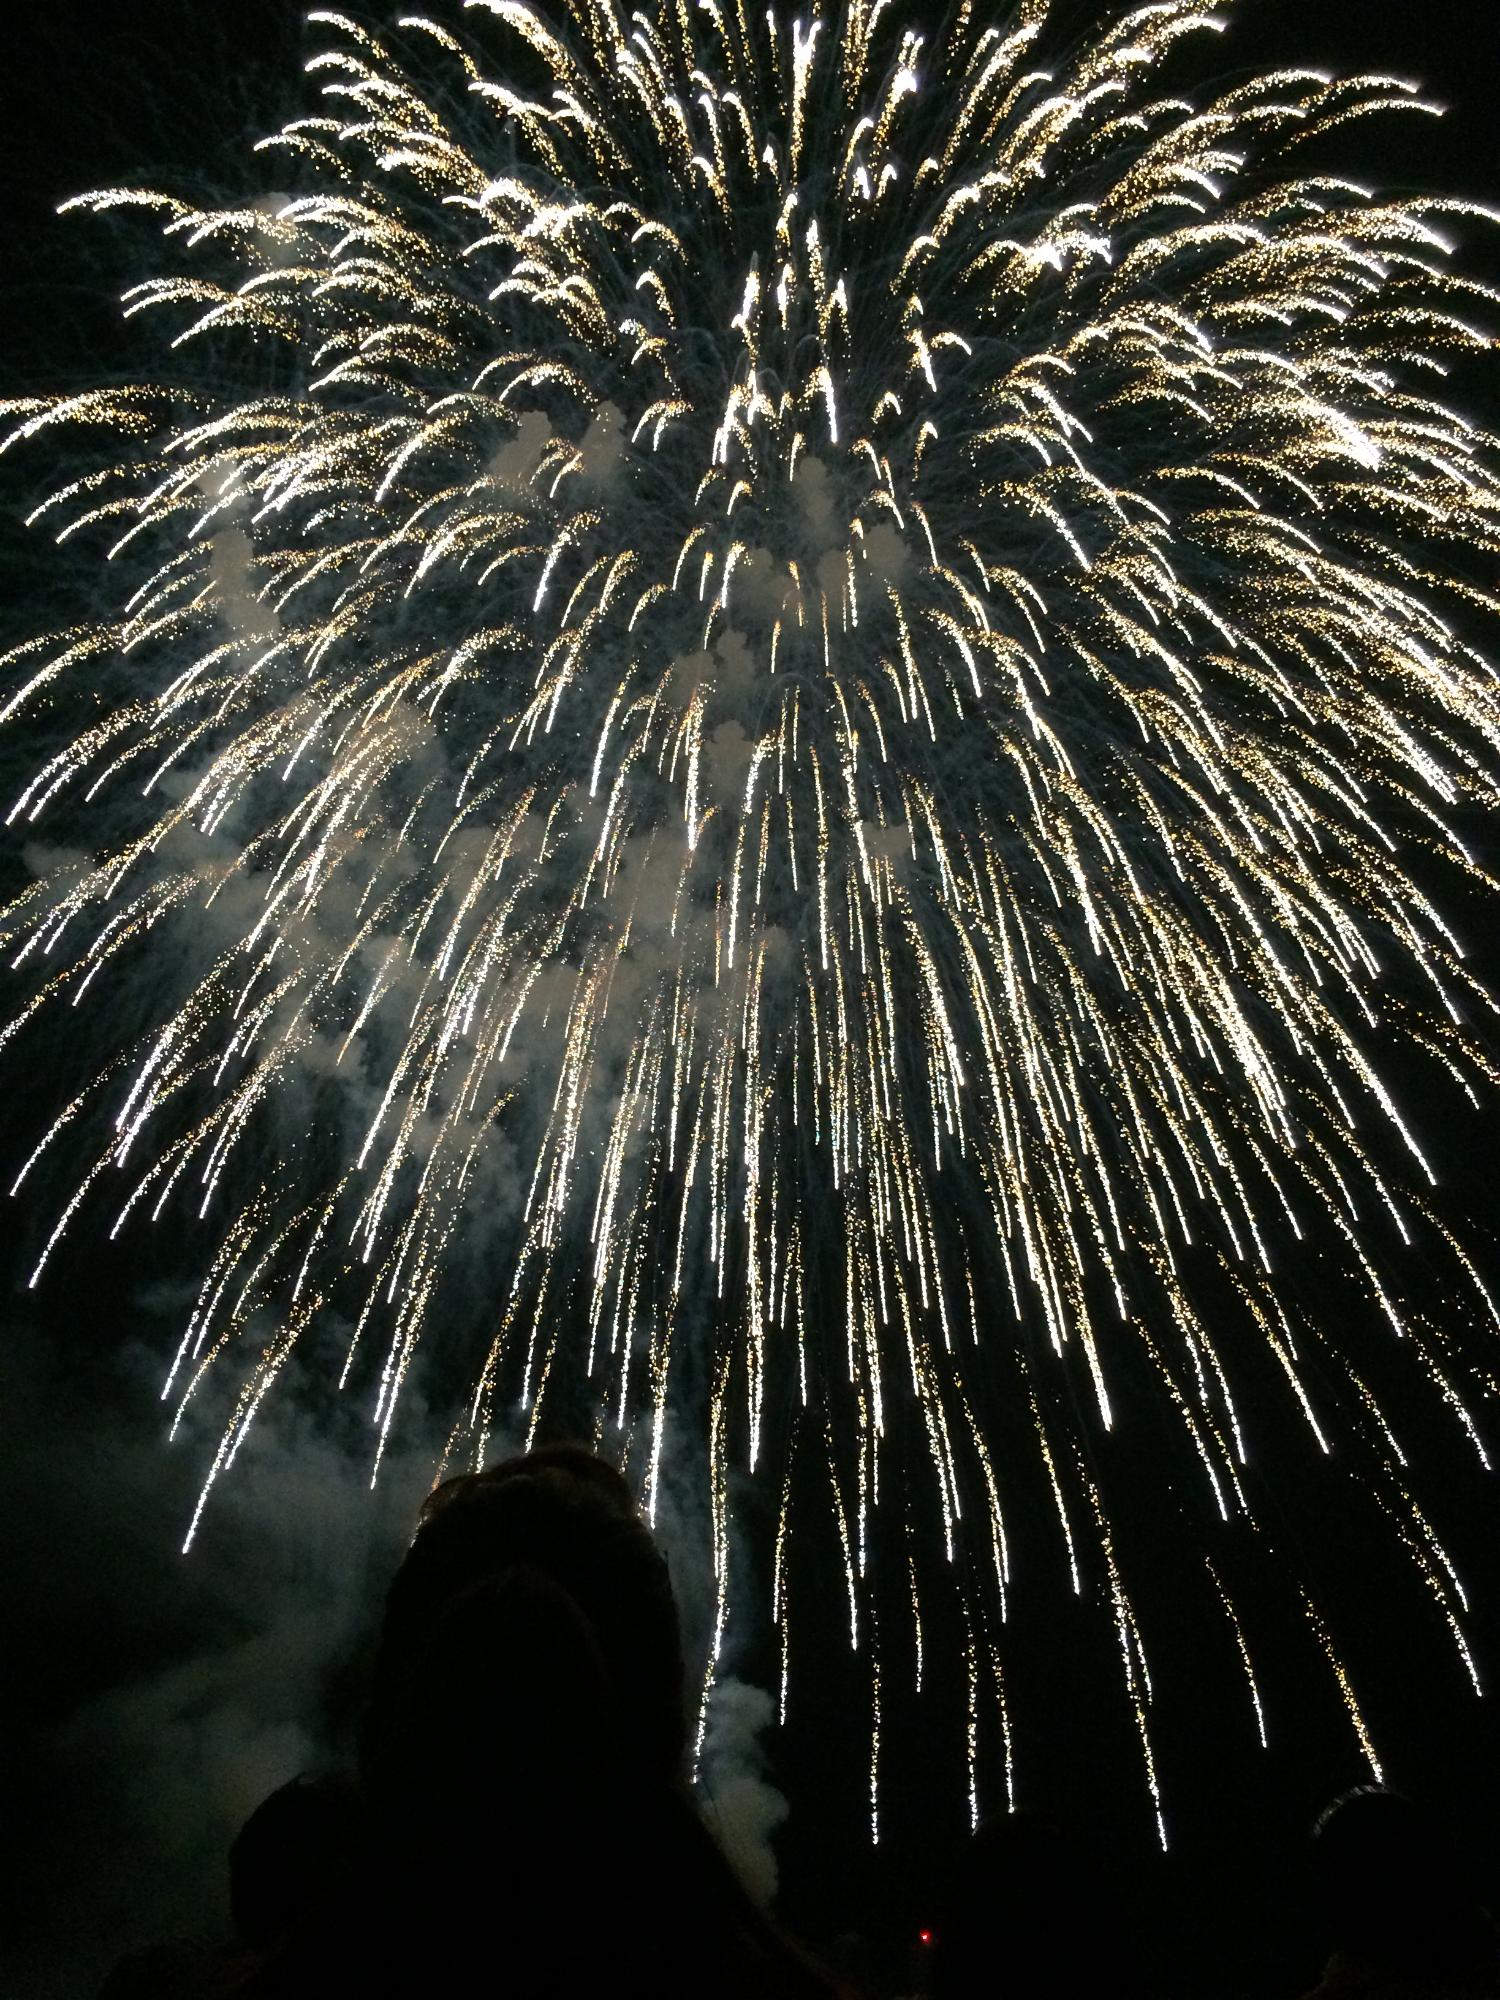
x=775, y=758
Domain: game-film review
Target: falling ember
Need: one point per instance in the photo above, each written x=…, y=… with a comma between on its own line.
x=765, y=683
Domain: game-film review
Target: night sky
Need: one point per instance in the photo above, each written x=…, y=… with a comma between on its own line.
x=153, y=1701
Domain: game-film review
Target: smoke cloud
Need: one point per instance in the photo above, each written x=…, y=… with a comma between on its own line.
x=158, y=1698
x=744, y=1807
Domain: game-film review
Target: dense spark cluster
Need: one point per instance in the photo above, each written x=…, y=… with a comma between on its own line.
x=777, y=754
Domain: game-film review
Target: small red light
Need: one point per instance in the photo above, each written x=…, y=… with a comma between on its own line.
x=925, y=1936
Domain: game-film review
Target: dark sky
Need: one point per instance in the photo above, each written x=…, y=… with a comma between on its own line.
x=156, y=1700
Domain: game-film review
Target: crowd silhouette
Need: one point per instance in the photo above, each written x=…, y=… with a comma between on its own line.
x=520, y=1819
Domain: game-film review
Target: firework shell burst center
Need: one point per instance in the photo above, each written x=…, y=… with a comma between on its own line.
x=789, y=666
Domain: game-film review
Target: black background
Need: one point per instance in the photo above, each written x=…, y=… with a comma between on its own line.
x=155, y=1699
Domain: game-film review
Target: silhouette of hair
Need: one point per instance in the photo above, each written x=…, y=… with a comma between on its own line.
x=533, y=1590
x=522, y=1759
x=1030, y=1912
x=1388, y=1886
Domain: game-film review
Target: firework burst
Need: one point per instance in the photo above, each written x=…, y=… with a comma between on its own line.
x=778, y=751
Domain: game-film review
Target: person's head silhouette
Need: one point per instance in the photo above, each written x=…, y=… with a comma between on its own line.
x=530, y=1635
x=521, y=1766
x=1388, y=1888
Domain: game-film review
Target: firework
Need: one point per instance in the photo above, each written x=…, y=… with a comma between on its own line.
x=770, y=684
